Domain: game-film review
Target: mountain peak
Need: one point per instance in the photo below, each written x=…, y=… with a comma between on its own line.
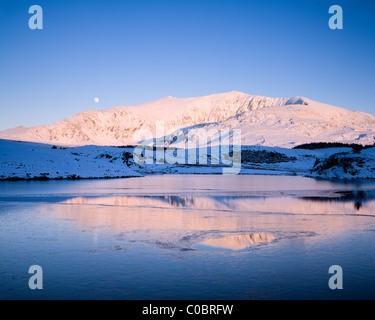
x=282, y=122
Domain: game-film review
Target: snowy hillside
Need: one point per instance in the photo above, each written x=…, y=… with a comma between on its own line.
x=32, y=161
x=346, y=165
x=263, y=121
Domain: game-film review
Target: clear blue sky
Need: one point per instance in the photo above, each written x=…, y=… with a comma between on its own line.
x=127, y=52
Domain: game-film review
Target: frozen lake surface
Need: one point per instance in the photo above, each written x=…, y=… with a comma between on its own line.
x=187, y=237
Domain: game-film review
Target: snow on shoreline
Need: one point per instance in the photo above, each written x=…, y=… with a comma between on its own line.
x=346, y=166
x=33, y=161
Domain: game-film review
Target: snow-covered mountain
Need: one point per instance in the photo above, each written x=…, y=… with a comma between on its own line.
x=283, y=122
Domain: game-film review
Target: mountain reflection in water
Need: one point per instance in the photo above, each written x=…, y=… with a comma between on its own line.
x=236, y=242
x=357, y=198
x=185, y=221
x=346, y=202
x=188, y=237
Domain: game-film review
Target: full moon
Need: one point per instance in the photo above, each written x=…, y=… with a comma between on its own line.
x=96, y=100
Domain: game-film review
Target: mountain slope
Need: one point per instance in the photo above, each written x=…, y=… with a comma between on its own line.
x=264, y=121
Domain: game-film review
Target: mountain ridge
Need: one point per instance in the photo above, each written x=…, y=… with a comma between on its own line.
x=283, y=122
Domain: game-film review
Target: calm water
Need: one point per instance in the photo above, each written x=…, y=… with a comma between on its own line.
x=187, y=237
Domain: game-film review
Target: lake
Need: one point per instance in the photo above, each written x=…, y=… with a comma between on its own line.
x=188, y=237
